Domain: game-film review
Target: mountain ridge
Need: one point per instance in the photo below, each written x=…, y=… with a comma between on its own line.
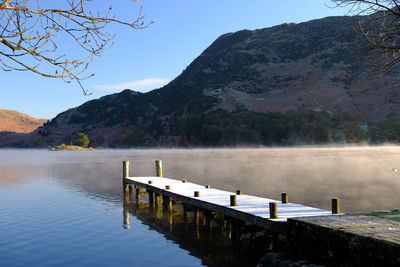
x=263, y=74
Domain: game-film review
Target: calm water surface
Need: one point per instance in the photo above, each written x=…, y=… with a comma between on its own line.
x=66, y=208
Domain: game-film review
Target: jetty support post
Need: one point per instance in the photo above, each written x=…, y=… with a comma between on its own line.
x=158, y=205
x=151, y=198
x=138, y=193
x=237, y=232
x=204, y=217
x=171, y=221
x=159, y=168
x=151, y=195
x=196, y=216
x=125, y=174
x=224, y=224
x=335, y=206
x=158, y=200
x=208, y=220
x=167, y=201
x=167, y=204
x=229, y=227
x=185, y=212
x=197, y=232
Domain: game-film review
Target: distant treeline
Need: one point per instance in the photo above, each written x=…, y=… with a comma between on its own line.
x=244, y=127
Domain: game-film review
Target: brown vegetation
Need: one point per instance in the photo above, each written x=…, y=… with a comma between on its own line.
x=14, y=121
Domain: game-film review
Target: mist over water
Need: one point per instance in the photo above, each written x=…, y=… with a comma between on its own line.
x=364, y=178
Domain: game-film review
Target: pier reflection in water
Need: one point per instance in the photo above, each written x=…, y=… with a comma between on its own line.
x=215, y=239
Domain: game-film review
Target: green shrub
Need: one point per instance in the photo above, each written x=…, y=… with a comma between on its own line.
x=82, y=139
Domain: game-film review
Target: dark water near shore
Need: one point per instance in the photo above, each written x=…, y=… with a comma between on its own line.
x=66, y=208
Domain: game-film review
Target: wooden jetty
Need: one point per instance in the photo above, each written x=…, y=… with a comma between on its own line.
x=263, y=212
x=300, y=231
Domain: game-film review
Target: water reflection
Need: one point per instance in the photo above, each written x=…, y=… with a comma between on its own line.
x=215, y=239
x=13, y=175
x=126, y=203
x=43, y=223
x=364, y=178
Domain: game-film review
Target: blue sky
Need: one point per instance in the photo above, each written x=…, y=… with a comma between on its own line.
x=146, y=59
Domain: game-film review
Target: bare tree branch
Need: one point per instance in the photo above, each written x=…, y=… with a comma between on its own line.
x=30, y=37
x=381, y=30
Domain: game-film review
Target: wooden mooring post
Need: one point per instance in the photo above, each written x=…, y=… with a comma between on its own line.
x=159, y=168
x=127, y=191
x=335, y=206
x=125, y=174
x=273, y=210
x=284, y=198
x=233, y=200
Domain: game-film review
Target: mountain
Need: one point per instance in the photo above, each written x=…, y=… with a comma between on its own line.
x=313, y=65
x=14, y=121
x=291, y=83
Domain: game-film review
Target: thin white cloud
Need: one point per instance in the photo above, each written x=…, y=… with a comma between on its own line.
x=139, y=86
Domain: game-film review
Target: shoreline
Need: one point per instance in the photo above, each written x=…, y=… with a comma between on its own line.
x=71, y=148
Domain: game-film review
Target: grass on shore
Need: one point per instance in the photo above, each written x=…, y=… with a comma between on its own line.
x=393, y=215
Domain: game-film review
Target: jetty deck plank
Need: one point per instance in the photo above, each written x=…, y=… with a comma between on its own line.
x=251, y=209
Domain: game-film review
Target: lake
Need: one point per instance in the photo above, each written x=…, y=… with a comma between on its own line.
x=66, y=208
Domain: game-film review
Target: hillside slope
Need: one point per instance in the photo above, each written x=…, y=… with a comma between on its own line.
x=313, y=65
x=14, y=121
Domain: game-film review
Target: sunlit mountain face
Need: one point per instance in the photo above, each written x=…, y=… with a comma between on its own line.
x=14, y=121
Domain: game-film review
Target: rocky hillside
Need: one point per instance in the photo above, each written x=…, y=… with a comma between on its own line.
x=311, y=66
x=314, y=65
x=14, y=121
